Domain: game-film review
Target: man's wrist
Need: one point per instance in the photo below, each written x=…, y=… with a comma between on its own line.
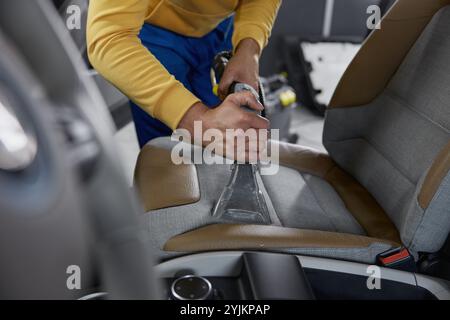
x=195, y=113
x=249, y=46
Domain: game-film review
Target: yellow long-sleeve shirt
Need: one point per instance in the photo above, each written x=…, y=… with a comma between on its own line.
x=115, y=50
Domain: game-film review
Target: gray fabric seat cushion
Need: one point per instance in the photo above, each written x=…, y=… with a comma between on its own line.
x=307, y=202
x=300, y=200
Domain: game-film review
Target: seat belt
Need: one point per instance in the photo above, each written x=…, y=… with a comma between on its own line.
x=398, y=258
x=244, y=198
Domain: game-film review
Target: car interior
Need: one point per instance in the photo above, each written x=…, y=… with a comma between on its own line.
x=376, y=194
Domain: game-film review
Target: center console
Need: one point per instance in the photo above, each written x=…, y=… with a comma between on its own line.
x=267, y=276
x=262, y=276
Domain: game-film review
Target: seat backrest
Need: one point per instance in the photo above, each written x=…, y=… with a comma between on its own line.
x=389, y=121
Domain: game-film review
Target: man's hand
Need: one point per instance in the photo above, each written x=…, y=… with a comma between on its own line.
x=243, y=67
x=230, y=115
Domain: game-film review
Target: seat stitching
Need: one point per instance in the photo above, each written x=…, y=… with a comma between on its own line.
x=424, y=213
x=394, y=96
x=318, y=202
x=376, y=148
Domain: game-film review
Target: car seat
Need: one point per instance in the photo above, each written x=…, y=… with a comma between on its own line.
x=383, y=184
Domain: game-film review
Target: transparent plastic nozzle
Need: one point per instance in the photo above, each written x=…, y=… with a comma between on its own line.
x=242, y=199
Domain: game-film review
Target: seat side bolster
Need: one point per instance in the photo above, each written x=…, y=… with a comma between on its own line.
x=359, y=202
x=434, y=177
x=304, y=159
x=246, y=237
x=362, y=205
x=162, y=184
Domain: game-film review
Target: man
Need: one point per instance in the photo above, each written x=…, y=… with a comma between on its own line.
x=159, y=53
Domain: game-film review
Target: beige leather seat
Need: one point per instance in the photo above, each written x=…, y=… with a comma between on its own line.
x=384, y=183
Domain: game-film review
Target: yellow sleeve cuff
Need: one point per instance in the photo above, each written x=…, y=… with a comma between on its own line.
x=250, y=31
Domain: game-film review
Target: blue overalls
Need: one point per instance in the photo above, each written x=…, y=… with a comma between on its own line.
x=189, y=60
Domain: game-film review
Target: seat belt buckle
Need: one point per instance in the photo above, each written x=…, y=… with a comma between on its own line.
x=397, y=258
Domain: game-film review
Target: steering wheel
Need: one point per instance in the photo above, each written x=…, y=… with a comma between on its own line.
x=69, y=224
